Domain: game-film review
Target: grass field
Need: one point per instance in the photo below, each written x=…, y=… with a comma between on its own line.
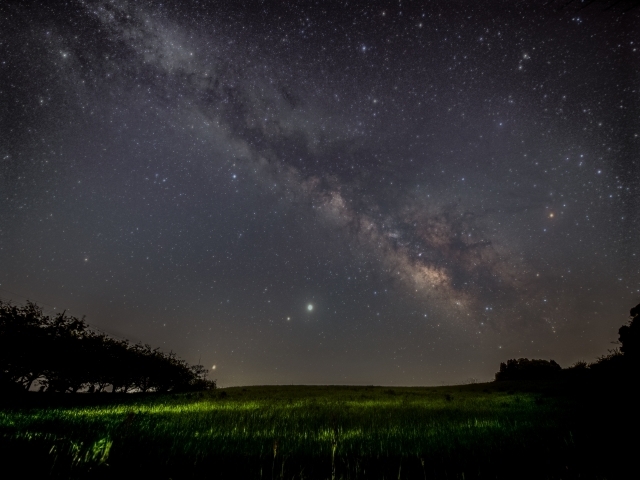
x=474, y=431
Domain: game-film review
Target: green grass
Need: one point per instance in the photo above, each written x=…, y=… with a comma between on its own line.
x=300, y=432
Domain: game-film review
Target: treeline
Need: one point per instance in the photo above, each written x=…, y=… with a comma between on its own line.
x=62, y=354
x=619, y=363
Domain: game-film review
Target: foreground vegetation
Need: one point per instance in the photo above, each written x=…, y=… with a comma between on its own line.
x=503, y=429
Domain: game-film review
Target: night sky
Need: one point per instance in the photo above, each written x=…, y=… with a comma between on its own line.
x=401, y=193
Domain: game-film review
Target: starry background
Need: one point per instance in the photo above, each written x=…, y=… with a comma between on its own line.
x=447, y=185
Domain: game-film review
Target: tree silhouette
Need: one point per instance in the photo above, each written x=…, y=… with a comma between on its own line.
x=23, y=339
x=617, y=365
x=63, y=355
x=630, y=336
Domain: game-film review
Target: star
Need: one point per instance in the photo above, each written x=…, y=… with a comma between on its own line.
x=359, y=165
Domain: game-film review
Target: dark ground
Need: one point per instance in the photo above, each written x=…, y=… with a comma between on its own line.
x=601, y=418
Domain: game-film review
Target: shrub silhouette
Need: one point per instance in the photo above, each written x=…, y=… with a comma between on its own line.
x=622, y=363
x=629, y=336
x=578, y=371
x=525, y=369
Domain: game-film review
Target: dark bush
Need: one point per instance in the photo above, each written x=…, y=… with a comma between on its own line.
x=629, y=336
x=612, y=366
x=525, y=369
x=578, y=371
x=623, y=363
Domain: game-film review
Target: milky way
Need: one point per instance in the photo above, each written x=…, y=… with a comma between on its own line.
x=448, y=185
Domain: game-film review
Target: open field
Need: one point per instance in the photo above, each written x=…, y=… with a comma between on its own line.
x=475, y=431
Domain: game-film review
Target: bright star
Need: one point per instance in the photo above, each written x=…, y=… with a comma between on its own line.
x=309, y=307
